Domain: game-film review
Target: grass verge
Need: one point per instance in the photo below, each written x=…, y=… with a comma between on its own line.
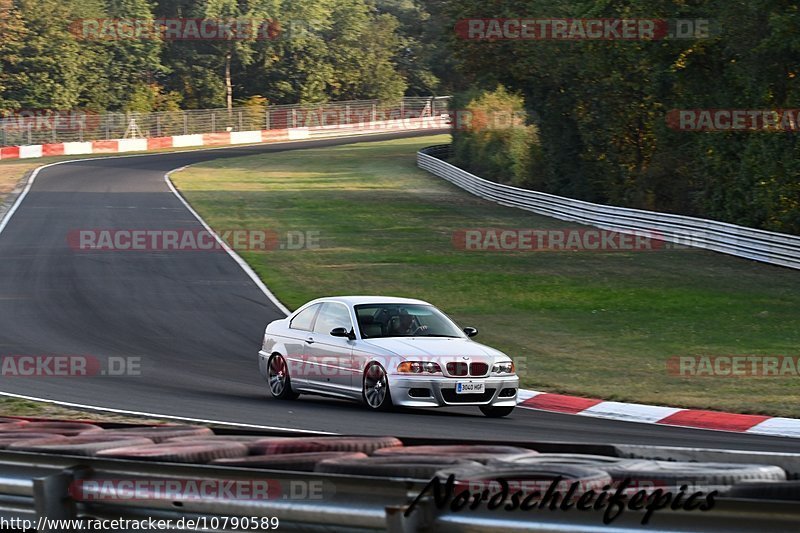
x=600, y=324
x=29, y=408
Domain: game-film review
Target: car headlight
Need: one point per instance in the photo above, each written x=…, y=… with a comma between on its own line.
x=504, y=367
x=418, y=367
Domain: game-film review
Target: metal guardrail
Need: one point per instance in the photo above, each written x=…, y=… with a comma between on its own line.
x=34, y=485
x=41, y=127
x=758, y=245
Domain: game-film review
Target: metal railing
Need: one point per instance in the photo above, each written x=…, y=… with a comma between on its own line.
x=32, y=127
x=36, y=485
x=758, y=245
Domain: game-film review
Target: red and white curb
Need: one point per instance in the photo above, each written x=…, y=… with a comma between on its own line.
x=655, y=414
x=115, y=146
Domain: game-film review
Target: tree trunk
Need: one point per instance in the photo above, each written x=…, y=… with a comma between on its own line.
x=228, y=84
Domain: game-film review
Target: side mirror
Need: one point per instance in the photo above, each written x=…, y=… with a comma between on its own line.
x=471, y=332
x=342, y=332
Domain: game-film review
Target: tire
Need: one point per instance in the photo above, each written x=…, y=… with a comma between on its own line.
x=496, y=412
x=68, y=429
x=365, y=445
x=668, y=475
x=299, y=462
x=10, y=438
x=85, y=446
x=412, y=467
x=254, y=443
x=278, y=380
x=603, y=462
x=184, y=452
x=698, y=475
x=528, y=479
x=375, y=388
x=9, y=424
x=162, y=433
x=478, y=453
x=786, y=490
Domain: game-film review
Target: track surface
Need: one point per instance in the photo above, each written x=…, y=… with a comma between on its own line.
x=196, y=319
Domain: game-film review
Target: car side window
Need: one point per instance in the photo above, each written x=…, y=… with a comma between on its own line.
x=305, y=319
x=332, y=315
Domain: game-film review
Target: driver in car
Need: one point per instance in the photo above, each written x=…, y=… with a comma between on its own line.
x=407, y=326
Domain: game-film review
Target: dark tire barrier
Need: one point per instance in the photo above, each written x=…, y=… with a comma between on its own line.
x=413, y=467
x=87, y=445
x=780, y=490
x=9, y=424
x=9, y=438
x=162, y=433
x=646, y=474
x=184, y=452
x=303, y=462
x=254, y=443
x=481, y=454
x=575, y=459
x=68, y=429
x=327, y=444
x=529, y=478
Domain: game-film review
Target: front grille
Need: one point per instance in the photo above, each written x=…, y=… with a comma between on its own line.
x=457, y=369
x=450, y=396
x=419, y=393
x=508, y=393
x=478, y=369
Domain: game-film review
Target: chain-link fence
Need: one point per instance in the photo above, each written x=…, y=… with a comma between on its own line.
x=45, y=126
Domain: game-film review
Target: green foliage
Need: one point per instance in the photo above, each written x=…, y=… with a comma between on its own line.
x=601, y=105
x=492, y=138
x=327, y=50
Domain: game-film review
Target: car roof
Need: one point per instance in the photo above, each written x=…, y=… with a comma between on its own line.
x=359, y=300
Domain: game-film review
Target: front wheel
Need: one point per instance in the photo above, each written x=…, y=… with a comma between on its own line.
x=496, y=412
x=375, y=391
x=280, y=385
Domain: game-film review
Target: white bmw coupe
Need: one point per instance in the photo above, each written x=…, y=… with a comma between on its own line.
x=385, y=352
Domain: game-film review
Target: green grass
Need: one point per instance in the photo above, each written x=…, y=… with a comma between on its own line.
x=589, y=323
x=28, y=408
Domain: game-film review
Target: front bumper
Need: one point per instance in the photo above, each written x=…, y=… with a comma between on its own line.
x=439, y=391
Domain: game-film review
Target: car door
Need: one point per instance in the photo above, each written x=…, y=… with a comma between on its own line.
x=328, y=357
x=301, y=327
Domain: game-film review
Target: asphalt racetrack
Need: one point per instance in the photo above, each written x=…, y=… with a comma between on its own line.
x=196, y=319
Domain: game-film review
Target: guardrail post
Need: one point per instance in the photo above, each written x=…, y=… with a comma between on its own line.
x=51, y=494
x=420, y=519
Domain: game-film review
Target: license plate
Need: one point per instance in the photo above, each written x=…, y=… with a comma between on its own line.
x=469, y=387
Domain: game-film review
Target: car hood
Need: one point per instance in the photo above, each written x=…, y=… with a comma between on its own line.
x=410, y=347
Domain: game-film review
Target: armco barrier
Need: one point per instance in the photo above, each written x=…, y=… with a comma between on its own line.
x=433, y=123
x=36, y=486
x=758, y=245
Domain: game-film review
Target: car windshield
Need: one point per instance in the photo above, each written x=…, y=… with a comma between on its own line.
x=394, y=320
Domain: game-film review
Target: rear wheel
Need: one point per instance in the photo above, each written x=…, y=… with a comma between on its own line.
x=280, y=385
x=375, y=391
x=496, y=412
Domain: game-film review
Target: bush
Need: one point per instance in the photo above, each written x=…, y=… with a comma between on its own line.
x=491, y=137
